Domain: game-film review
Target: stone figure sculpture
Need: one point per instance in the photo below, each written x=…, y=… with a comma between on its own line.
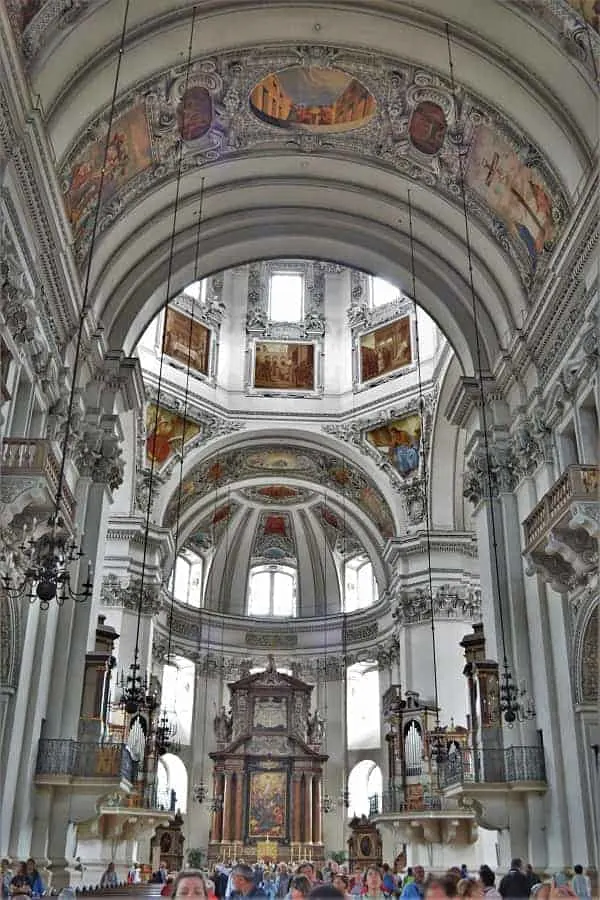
x=223, y=725
x=315, y=728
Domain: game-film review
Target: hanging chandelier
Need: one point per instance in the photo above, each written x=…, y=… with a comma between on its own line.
x=515, y=703
x=47, y=560
x=164, y=734
x=136, y=690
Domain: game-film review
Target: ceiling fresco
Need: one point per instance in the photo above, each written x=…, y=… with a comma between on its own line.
x=340, y=537
x=210, y=529
x=411, y=130
x=325, y=469
x=277, y=493
x=274, y=537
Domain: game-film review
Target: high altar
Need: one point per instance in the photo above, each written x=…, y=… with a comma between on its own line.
x=268, y=769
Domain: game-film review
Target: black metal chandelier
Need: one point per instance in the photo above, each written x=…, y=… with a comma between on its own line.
x=136, y=689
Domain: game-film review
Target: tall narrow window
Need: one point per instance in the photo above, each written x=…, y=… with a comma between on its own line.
x=383, y=292
x=286, y=290
x=186, y=578
x=272, y=591
x=360, y=584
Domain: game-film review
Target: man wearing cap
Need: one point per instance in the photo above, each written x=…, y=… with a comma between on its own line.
x=244, y=884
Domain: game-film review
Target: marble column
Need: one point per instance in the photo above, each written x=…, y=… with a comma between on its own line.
x=316, y=810
x=228, y=808
x=335, y=823
x=308, y=809
x=217, y=816
x=239, y=807
x=297, y=802
x=202, y=740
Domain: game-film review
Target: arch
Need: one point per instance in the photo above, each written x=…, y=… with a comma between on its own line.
x=172, y=783
x=588, y=667
x=365, y=781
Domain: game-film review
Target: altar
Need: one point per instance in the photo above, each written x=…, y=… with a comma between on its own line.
x=268, y=771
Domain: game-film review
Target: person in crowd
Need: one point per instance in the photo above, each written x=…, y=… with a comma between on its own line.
x=325, y=892
x=541, y=891
x=515, y=884
x=190, y=883
x=488, y=880
x=464, y=872
x=167, y=889
x=5, y=878
x=581, y=884
x=415, y=889
x=282, y=881
x=409, y=877
x=163, y=872
x=389, y=882
x=35, y=879
x=20, y=883
x=210, y=889
x=307, y=868
x=299, y=887
x=454, y=875
x=471, y=888
x=533, y=877
x=374, y=884
x=440, y=888
x=342, y=883
x=109, y=878
x=357, y=884
x=269, y=882
x=244, y=883
x=221, y=877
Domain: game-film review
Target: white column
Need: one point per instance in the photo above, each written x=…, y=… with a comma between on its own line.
x=206, y=702
x=335, y=823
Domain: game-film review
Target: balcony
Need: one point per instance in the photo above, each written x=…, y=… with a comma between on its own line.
x=561, y=532
x=494, y=782
x=62, y=761
x=425, y=818
x=29, y=469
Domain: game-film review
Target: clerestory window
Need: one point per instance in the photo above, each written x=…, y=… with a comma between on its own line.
x=272, y=591
x=360, y=584
x=286, y=295
x=187, y=578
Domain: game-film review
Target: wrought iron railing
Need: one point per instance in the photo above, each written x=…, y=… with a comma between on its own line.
x=394, y=800
x=85, y=759
x=499, y=765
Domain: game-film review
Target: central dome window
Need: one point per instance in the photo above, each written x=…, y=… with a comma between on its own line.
x=272, y=591
x=312, y=99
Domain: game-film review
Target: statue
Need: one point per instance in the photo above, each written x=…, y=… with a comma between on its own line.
x=315, y=728
x=223, y=726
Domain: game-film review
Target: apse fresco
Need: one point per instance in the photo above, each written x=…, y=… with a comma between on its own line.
x=385, y=350
x=210, y=529
x=400, y=441
x=267, y=803
x=588, y=10
x=166, y=433
x=277, y=493
x=514, y=191
x=312, y=99
x=274, y=537
x=427, y=127
x=284, y=366
x=322, y=468
x=187, y=340
x=129, y=153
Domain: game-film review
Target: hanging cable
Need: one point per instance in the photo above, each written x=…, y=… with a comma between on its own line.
x=163, y=343
x=424, y=464
x=185, y=412
x=508, y=688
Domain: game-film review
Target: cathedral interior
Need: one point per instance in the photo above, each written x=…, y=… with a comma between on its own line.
x=299, y=433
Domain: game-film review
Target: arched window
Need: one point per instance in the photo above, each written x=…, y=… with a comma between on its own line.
x=365, y=786
x=361, y=587
x=272, y=591
x=383, y=292
x=187, y=578
x=363, y=726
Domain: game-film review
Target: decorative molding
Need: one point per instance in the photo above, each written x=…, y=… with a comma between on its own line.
x=270, y=640
x=128, y=593
x=355, y=634
x=449, y=602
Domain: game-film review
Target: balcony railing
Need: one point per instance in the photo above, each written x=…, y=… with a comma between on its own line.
x=35, y=457
x=393, y=800
x=504, y=766
x=576, y=483
x=81, y=759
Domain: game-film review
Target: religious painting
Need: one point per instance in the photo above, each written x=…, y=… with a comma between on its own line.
x=129, y=153
x=284, y=366
x=400, y=441
x=166, y=432
x=278, y=460
x=278, y=492
x=385, y=350
x=588, y=10
x=267, y=803
x=275, y=525
x=194, y=113
x=376, y=508
x=311, y=98
x=427, y=127
x=187, y=340
x=514, y=191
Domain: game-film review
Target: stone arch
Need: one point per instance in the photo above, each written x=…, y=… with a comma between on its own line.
x=10, y=642
x=587, y=660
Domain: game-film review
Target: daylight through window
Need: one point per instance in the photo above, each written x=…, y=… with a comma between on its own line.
x=285, y=297
x=272, y=591
x=360, y=584
x=383, y=292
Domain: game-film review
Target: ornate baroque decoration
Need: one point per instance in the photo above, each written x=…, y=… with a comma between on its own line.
x=561, y=18
x=312, y=324
x=258, y=461
x=340, y=536
x=274, y=539
x=449, y=602
x=224, y=84
x=126, y=594
x=270, y=640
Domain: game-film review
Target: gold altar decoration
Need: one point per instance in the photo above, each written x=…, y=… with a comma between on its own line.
x=267, y=849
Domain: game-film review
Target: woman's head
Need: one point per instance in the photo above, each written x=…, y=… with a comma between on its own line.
x=300, y=887
x=30, y=864
x=373, y=880
x=441, y=888
x=190, y=883
x=340, y=881
x=470, y=887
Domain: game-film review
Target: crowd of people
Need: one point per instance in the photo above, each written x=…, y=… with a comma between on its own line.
x=26, y=880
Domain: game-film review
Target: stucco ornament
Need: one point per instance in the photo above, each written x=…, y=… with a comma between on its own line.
x=224, y=126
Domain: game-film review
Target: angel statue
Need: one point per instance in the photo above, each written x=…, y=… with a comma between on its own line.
x=315, y=728
x=223, y=726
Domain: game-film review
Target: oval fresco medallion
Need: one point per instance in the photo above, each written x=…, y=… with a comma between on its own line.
x=312, y=99
x=194, y=113
x=427, y=127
